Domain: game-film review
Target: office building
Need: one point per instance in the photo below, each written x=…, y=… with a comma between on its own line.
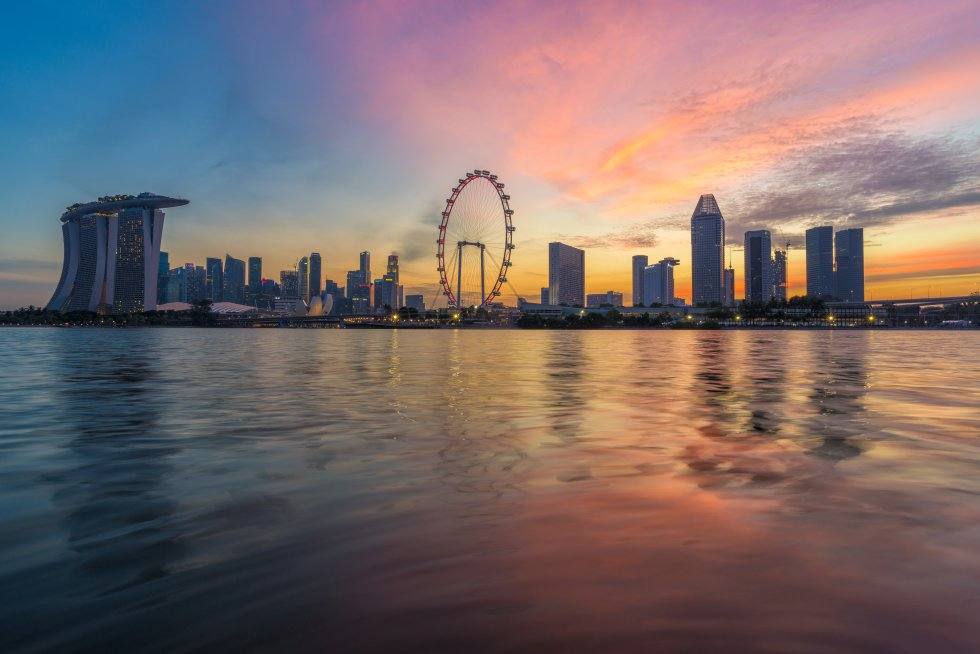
x=387, y=295
x=288, y=284
x=820, y=262
x=849, y=252
x=640, y=262
x=365, y=268
x=215, y=279
x=163, y=277
x=393, y=268
x=416, y=302
x=254, y=277
x=707, y=252
x=112, y=253
x=607, y=299
x=195, y=283
x=758, y=266
x=779, y=282
x=358, y=291
x=303, y=270
x=316, y=275
x=658, y=283
x=545, y=295
x=233, y=281
x=729, y=296
x=566, y=275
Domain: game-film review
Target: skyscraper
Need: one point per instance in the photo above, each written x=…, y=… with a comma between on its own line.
x=545, y=295
x=303, y=270
x=195, y=283
x=779, y=282
x=640, y=262
x=163, y=274
x=658, y=282
x=849, y=251
x=820, y=261
x=393, y=267
x=566, y=275
x=707, y=252
x=215, y=279
x=758, y=266
x=316, y=274
x=729, y=299
x=289, y=284
x=358, y=292
x=365, y=268
x=112, y=253
x=233, y=287
x=254, y=277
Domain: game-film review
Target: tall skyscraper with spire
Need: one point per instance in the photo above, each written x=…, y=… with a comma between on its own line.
x=707, y=252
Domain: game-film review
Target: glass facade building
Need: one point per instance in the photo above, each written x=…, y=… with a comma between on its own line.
x=849, y=252
x=707, y=252
x=566, y=275
x=820, y=261
x=758, y=266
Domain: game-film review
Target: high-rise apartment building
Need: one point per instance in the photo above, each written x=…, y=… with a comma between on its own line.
x=849, y=252
x=112, y=253
x=566, y=275
x=640, y=262
x=758, y=266
x=658, y=282
x=820, y=261
x=233, y=287
x=779, y=279
x=707, y=252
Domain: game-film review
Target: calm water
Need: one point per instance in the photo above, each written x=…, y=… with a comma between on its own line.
x=320, y=490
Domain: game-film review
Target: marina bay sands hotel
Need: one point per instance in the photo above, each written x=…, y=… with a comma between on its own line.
x=112, y=253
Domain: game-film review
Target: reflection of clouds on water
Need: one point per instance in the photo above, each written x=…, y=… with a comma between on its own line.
x=115, y=508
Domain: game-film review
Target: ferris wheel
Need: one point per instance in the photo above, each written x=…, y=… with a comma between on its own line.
x=476, y=237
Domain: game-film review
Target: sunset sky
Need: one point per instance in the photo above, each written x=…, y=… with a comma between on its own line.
x=304, y=126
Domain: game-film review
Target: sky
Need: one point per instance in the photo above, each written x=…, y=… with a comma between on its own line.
x=339, y=127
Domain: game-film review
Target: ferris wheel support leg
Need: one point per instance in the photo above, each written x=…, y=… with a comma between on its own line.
x=459, y=276
x=483, y=287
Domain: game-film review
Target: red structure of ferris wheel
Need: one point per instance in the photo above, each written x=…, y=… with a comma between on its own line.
x=477, y=231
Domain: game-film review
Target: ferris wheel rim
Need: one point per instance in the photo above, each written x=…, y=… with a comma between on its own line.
x=508, y=243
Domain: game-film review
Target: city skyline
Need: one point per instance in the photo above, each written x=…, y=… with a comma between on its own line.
x=843, y=128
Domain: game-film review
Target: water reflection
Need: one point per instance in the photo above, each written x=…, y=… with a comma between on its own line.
x=840, y=381
x=112, y=496
x=495, y=490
